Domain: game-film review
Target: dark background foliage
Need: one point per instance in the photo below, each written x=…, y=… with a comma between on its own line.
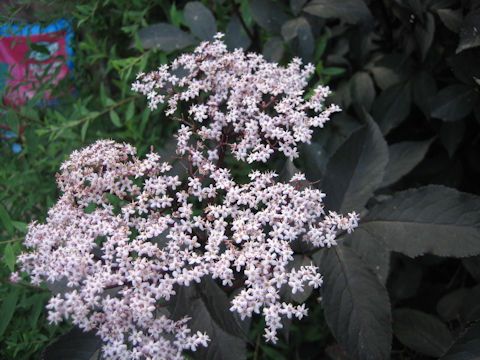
x=404, y=153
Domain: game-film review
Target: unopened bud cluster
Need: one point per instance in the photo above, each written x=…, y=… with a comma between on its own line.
x=127, y=224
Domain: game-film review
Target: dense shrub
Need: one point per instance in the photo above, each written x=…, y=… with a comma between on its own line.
x=403, y=152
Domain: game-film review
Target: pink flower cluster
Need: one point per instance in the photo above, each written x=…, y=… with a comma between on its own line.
x=262, y=102
x=125, y=233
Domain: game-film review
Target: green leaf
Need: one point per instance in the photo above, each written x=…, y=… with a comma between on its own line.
x=8, y=308
x=421, y=332
x=9, y=257
x=350, y=11
x=20, y=226
x=6, y=221
x=354, y=172
x=467, y=346
x=200, y=20
x=403, y=157
x=109, y=102
x=392, y=106
x=130, y=111
x=11, y=120
x=432, y=219
x=453, y=102
x=357, y=308
x=319, y=71
x=320, y=48
x=83, y=131
x=176, y=16
x=115, y=119
x=145, y=117
x=164, y=37
x=470, y=31
x=136, y=39
x=332, y=71
x=268, y=14
x=38, y=302
x=90, y=208
x=76, y=345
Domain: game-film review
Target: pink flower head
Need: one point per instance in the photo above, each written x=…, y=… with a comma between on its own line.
x=126, y=232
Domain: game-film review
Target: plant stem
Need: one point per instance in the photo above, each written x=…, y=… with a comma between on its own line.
x=237, y=12
x=23, y=116
x=11, y=240
x=31, y=287
x=94, y=116
x=257, y=347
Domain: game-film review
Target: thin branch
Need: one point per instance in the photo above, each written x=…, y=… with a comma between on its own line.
x=257, y=348
x=11, y=240
x=31, y=287
x=94, y=116
x=237, y=12
x=23, y=116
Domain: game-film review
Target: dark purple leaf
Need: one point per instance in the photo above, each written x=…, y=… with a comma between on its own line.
x=75, y=345
x=453, y=102
x=356, y=170
x=273, y=49
x=164, y=37
x=357, y=308
x=350, y=11
x=268, y=14
x=392, y=106
x=467, y=346
x=452, y=19
x=432, y=219
x=403, y=157
x=470, y=31
x=421, y=332
x=235, y=35
x=200, y=20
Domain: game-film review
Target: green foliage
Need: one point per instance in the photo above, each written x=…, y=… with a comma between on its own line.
x=24, y=331
x=404, y=153
x=100, y=106
x=305, y=339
